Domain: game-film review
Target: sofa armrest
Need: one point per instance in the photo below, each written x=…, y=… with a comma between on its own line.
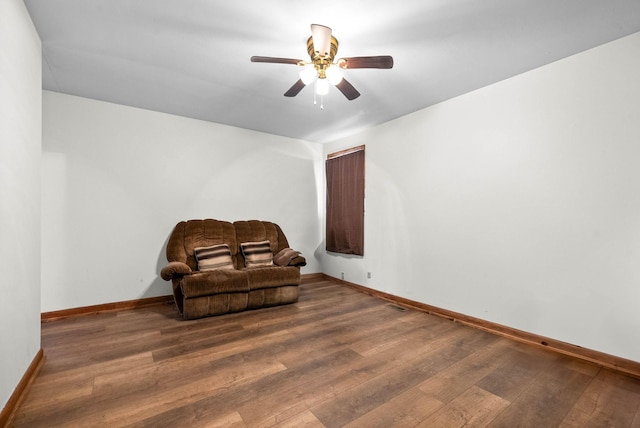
x=175, y=269
x=289, y=257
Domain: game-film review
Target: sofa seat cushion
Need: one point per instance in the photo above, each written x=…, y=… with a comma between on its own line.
x=272, y=276
x=214, y=282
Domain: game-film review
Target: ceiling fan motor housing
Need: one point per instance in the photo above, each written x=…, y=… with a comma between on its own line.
x=322, y=62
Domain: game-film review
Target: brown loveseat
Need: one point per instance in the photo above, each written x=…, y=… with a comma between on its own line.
x=258, y=269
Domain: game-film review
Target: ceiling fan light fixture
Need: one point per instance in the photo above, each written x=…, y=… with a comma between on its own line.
x=334, y=75
x=322, y=87
x=308, y=74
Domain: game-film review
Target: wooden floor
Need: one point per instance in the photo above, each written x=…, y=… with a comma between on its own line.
x=336, y=358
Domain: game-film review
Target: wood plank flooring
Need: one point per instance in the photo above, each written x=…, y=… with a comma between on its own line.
x=336, y=358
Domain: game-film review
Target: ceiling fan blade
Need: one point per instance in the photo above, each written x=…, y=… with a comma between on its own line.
x=273, y=60
x=321, y=36
x=383, y=61
x=348, y=90
x=295, y=89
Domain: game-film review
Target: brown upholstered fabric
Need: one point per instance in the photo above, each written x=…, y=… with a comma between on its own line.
x=214, y=282
x=284, y=256
x=298, y=261
x=216, y=292
x=255, y=230
x=217, y=304
x=273, y=296
x=174, y=269
x=205, y=233
x=273, y=276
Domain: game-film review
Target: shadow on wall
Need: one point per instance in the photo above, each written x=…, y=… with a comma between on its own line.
x=159, y=287
x=319, y=252
x=338, y=265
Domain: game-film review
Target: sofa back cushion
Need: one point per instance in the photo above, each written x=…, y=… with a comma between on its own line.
x=256, y=231
x=188, y=235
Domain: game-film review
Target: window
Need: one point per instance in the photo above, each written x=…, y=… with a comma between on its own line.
x=345, y=202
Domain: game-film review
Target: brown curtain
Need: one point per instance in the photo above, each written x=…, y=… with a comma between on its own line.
x=345, y=204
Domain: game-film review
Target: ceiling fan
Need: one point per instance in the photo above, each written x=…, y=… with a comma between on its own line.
x=322, y=48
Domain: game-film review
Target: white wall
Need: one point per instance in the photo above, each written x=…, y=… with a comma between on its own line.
x=117, y=179
x=20, y=128
x=518, y=203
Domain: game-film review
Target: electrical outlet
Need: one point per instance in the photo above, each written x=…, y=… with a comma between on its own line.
x=341, y=275
x=369, y=275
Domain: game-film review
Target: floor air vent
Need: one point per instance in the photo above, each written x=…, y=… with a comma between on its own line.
x=397, y=308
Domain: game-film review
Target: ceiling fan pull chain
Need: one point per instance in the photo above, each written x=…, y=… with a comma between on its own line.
x=321, y=102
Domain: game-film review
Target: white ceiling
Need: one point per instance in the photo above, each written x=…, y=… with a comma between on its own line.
x=191, y=57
